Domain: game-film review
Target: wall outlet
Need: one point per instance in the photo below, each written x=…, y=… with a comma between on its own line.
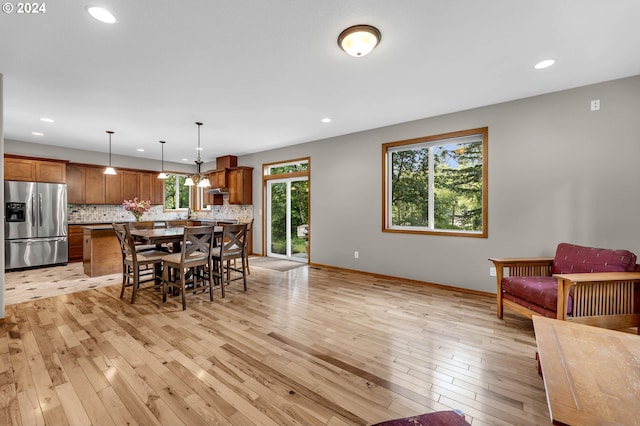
x=356, y=255
x=492, y=271
x=595, y=105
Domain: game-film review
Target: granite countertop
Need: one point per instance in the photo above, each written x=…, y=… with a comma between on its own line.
x=97, y=227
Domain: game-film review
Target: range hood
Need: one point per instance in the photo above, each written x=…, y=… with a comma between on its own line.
x=218, y=191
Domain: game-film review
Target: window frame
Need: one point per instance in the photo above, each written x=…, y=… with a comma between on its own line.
x=389, y=147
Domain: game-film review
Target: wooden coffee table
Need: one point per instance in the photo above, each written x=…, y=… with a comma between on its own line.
x=591, y=374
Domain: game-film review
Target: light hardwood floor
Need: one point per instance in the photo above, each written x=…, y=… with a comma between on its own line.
x=309, y=346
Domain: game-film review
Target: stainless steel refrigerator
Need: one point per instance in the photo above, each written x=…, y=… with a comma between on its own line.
x=35, y=224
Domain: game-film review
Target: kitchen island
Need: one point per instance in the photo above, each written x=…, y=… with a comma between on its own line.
x=101, y=254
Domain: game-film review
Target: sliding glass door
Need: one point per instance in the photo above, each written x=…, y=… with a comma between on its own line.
x=288, y=218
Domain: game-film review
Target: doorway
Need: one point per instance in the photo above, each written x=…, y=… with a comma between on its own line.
x=287, y=218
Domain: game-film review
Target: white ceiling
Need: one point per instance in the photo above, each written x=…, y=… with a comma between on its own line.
x=262, y=74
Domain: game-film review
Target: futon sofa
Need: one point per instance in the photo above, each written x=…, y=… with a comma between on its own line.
x=593, y=286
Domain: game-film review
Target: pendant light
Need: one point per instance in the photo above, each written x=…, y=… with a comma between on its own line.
x=162, y=174
x=198, y=178
x=109, y=170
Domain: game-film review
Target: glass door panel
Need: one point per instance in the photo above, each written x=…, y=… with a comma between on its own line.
x=287, y=218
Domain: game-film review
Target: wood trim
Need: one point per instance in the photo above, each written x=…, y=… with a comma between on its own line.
x=25, y=157
x=126, y=169
x=266, y=178
x=403, y=280
x=284, y=162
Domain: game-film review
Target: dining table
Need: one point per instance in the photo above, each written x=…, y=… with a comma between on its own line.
x=160, y=236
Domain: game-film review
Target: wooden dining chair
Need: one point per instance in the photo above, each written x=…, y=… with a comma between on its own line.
x=137, y=266
x=232, y=247
x=191, y=266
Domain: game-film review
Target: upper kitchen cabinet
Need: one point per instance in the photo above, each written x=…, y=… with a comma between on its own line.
x=219, y=178
x=131, y=186
x=240, y=182
x=75, y=184
x=85, y=184
x=34, y=170
x=151, y=188
x=113, y=188
x=95, y=185
x=157, y=196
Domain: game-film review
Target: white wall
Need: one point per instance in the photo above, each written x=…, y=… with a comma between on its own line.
x=557, y=172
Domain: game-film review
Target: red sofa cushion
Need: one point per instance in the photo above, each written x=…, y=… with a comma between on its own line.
x=574, y=259
x=541, y=291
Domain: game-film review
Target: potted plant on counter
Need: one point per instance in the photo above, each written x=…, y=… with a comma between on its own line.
x=136, y=207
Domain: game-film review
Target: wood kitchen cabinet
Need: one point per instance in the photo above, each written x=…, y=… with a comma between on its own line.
x=34, y=170
x=151, y=188
x=101, y=254
x=219, y=178
x=75, y=184
x=240, y=181
x=94, y=183
x=113, y=189
x=85, y=184
x=146, y=186
x=131, y=186
x=75, y=241
x=157, y=196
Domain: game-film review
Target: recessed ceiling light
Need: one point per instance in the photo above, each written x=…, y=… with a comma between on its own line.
x=47, y=120
x=140, y=149
x=101, y=14
x=185, y=159
x=326, y=120
x=544, y=64
x=37, y=133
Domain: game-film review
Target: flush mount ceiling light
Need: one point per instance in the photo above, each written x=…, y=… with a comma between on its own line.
x=359, y=40
x=162, y=174
x=544, y=64
x=109, y=170
x=101, y=14
x=198, y=178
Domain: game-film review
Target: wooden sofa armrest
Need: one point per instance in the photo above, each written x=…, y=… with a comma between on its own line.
x=614, y=305
x=518, y=266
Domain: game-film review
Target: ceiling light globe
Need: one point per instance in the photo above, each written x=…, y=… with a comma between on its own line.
x=188, y=182
x=359, y=40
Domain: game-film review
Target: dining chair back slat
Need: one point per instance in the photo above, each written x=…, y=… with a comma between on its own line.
x=191, y=265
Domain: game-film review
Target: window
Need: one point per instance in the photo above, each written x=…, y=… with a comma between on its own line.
x=437, y=184
x=294, y=166
x=176, y=194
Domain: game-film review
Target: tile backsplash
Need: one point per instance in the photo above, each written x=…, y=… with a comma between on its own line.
x=86, y=213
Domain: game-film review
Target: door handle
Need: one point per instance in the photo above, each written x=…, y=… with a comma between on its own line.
x=40, y=212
